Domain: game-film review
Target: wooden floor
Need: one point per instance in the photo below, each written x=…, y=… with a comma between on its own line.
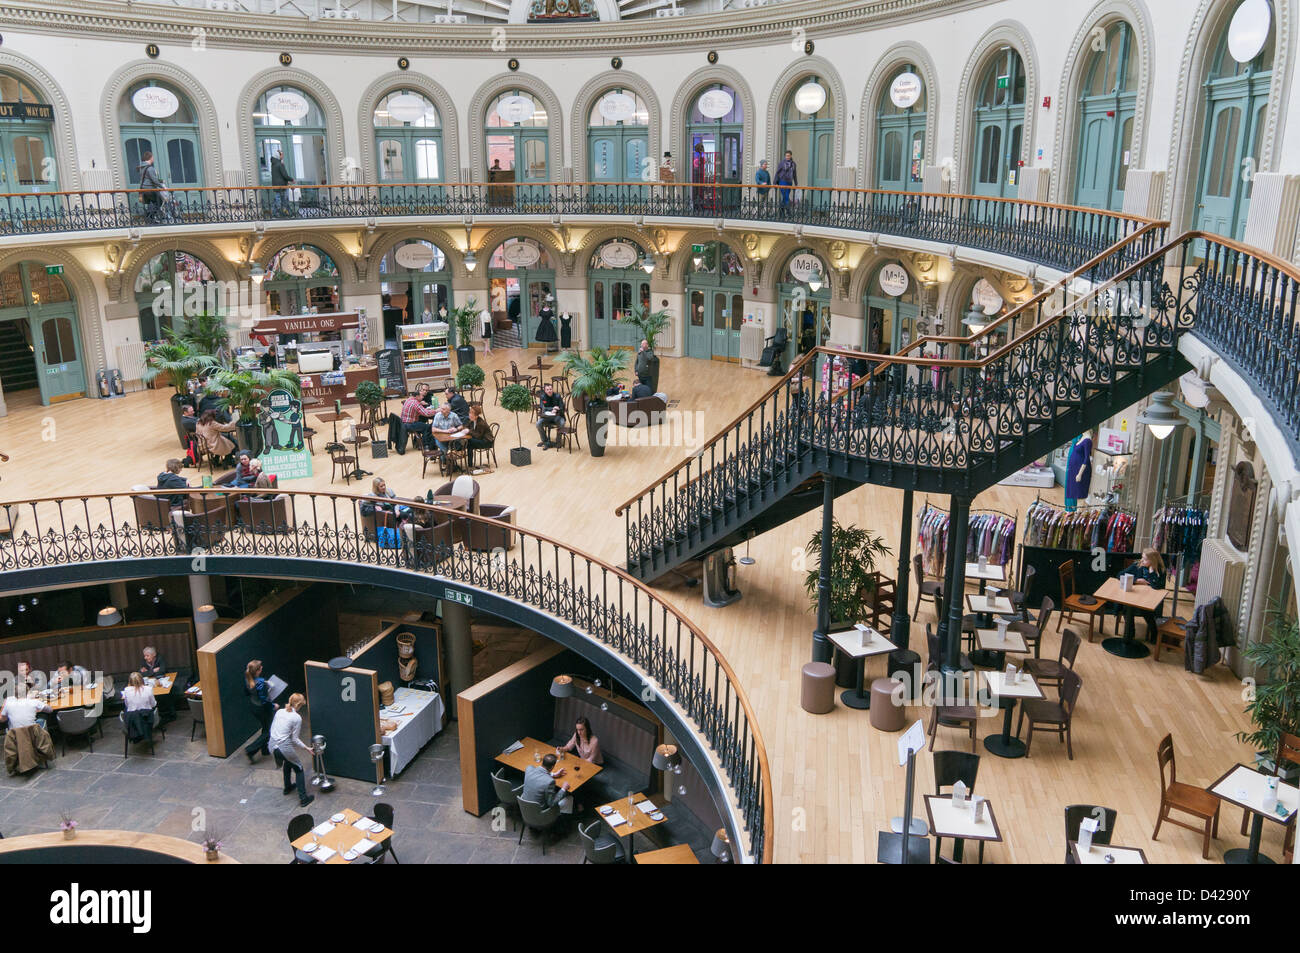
x=836, y=781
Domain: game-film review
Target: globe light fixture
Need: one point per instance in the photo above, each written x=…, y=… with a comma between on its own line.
x=1160, y=415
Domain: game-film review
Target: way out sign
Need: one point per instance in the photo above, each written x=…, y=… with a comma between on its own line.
x=455, y=595
x=54, y=269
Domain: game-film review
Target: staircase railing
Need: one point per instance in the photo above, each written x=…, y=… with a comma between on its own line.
x=671, y=654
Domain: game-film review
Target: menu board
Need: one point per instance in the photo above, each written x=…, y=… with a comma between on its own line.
x=389, y=362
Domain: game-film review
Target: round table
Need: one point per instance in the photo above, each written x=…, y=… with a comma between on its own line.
x=449, y=501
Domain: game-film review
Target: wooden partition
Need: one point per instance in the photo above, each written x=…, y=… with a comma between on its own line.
x=113, y=650
x=284, y=632
x=343, y=706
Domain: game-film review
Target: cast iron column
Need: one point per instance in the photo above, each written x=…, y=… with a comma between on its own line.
x=821, y=644
x=955, y=586
x=901, y=631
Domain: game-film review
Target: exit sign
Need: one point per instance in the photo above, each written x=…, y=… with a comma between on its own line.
x=464, y=598
x=54, y=269
x=1004, y=81
x=697, y=249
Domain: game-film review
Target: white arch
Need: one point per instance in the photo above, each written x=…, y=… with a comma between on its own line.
x=896, y=56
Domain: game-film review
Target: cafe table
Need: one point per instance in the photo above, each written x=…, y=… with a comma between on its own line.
x=159, y=689
x=1107, y=854
x=996, y=643
x=448, y=501
x=677, y=854
x=539, y=366
x=76, y=696
x=615, y=814
x=1246, y=787
x=334, y=418
x=576, y=771
x=851, y=644
x=1139, y=596
x=1003, y=745
x=991, y=572
x=984, y=606
x=949, y=820
x=336, y=838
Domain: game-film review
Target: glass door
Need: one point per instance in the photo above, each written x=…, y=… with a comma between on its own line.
x=59, y=367
x=534, y=167
x=698, y=333
x=727, y=315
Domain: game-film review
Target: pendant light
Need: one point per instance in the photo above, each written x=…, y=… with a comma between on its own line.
x=1160, y=415
x=815, y=280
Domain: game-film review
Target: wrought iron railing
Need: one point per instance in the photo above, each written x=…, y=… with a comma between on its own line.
x=604, y=603
x=1053, y=235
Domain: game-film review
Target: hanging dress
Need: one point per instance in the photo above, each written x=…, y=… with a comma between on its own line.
x=566, y=332
x=545, y=325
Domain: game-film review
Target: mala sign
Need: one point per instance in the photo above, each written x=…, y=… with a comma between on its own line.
x=986, y=296
x=155, y=102
x=283, y=452
x=893, y=280
x=300, y=262
x=804, y=264
x=287, y=106
x=619, y=255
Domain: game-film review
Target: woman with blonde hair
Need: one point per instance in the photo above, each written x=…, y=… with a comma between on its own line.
x=255, y=687
x=1149, y=571
x=285, y=742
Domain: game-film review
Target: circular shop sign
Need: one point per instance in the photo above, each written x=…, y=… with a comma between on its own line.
x=619, y=254
x=515, y=109
x=287, y=106
x=155, y=102
x=905, y=90
x=804, y=264
x=299, y=262
x=617, y=107
x=1248, y=31
x=893, y=279
x=521, y=254
x=415, y=255
x=810, y=98
x=986, y=296
x=715, y=103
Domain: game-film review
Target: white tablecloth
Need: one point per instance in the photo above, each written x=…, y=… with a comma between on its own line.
x=418, y=721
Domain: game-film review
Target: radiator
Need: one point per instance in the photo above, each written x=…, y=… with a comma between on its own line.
x=752, y=336
x=130, y=360
x=1223, y=570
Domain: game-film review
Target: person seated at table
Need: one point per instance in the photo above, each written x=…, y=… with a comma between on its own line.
x=1149, y=571
x=285, y=742
x=480, y=434
x=415, y=418
x=583, y=743
x=189, y=420
x=213, y=399
x=550, y=414
x=70, y=676
x=447, y=422
x=21, y=710
x=641, y=389
x=152, y=666
x=25, y=678
x=137, y=696
x=171, y=479
x=378, y=501
x=211, y=434
x=458, y=404
x=244, y=475
x=263, y=482
x=616, y=392
x=540, y=787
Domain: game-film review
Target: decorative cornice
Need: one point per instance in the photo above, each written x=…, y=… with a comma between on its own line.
x=894, y=57
x=1005, y=33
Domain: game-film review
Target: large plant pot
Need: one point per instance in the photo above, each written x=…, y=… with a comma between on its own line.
x=521, y=457
x=179, y=400
x=465, y=355
x=650, y=371
x=248, y=436
x=599, y=420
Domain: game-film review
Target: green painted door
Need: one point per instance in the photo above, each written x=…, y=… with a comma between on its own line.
x=58, y=355
x=612, y=297
x=726, y=314
x=999, y=115
x=617, y=155
x=699, y=329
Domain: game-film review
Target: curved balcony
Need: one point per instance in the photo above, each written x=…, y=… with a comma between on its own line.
x=590, y=606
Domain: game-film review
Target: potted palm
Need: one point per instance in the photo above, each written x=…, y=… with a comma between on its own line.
x=650, y=324
x=204, y=334
x=516, y=399
x=462, y=319
x=593, y=377
x=854, y=552
x=175, y=362
x=244, y=392
x=1274, y=700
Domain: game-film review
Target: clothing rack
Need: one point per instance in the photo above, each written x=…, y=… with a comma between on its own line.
x=1086, y=528
x=991, y=533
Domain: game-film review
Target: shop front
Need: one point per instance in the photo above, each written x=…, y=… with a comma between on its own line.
x=415, y=284
x=890, y=309
x=715, y=302
x=521, y=281
x=40, y=337
x=301, y=279
x=616, y=285
x=805, y=302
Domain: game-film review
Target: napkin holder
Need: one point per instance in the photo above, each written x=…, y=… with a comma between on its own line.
x=977, y=807
x=983, y=563
x=1125, y=582
x=959, y=794
x=1011, y=675
x=1002, y=630
x=864, y=633
x=1087, y=827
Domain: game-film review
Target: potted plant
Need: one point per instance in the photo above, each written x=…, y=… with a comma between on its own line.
x=853, y=561
x=370, y=396
x=68, y=826
x=516, y=399
x=211, y=846
x=204, y=334
x=592, y=378
x=650, y=324
x=1274, y=700
x=470, y=375
x=244, y=392
x=177, y=363
x=463, y=319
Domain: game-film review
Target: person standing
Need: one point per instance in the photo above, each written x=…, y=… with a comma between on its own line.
x=153, y=192
x=286, y=727
x=485, y=324
x=255, y=687
x=787, y=175
x=280, y=181
x=763, y=179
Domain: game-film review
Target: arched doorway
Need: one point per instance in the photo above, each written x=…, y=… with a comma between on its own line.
x=520, y=280
x=172, y=284
x=618, y=135
x=1107, y=106
x=900, y=132
x=159, y=118
x=715, y=279
x=414, y=279
x=715, y=140
x=300, y=279
x=27, y=159
x=808, y=133
x=288, y=123
x=804, y=298
x=999, y=125
x=515, y=126
x=890, y=308
x=1236, y=104
x=40, y=337
x=616, y=283
x=408, y=138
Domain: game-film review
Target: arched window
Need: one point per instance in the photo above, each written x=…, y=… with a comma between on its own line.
x=26, y=139
x=300, y=279
x=1236, y=106
x=1107, y=104
x=289, y=127
x=999, y=125
x=518, y=149
x=173, y=284
x=408, y=138
x=618, y=133
x=900, y=131
x=808, y=133
x=158, y=118
x=715, y=141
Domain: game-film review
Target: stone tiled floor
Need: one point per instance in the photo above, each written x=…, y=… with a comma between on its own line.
x=171, y=792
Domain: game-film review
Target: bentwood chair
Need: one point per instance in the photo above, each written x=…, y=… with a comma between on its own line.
x=1053, y=716
x=1187, y=798
x=500, y=382
x=930, y=589
x=1076, y=814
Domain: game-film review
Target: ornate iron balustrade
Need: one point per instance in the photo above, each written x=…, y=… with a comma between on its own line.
x=1057, y=236
x=605, y=604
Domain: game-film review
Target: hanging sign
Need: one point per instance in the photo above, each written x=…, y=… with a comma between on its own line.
x=1248, y=31
x=987, y=297
x=287, y=106
x=804, y=264
x=283, y=452
x=26, y=111
x=415, y=255
x=619, y=254
x=617, y=107
x=893, y=279
x=715, y=103
x=299, y=262
x=810, y=98
x=905, y=90
x=155, y=102
x=521, y=254
x=513, y=109
x=407, y=107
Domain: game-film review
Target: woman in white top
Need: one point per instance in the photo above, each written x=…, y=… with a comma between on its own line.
x=137, y=696
x=285, y=742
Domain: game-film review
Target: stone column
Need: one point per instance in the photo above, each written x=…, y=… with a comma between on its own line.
x=456, y=634
x=201, y=598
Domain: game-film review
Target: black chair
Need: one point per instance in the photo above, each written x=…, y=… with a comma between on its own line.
x=1076, y=814
x=196, y=712
x=599, y=847
x=73, y=722
x=1051, y=671
x=949, y=768
x=300, y=824
x=1054, y=716
x=507, y=794
x=126, y=736
x=965, y=717
x=383, y=813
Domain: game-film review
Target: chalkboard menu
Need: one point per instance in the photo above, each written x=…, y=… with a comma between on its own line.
x=390, y=368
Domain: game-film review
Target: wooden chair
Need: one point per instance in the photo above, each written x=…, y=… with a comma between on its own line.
x=965, y=717
x=1019, y=596
x=1076, y=814
x=433, y=453
x=499, y=380
x=931, y=589
x=1072, y=602
x=341, y=461
x=488, y=451
x=1050, y=671
x=1171, y=632
x=1032, y=632
x=566, y=435
x=884, y=599
x=1176, y=796
x=1053, y=716
x=473, y=395
x=1288, y=749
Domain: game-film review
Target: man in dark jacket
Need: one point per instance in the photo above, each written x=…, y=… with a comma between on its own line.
x=280, y=179
x=459, y=405
x=647, y=363
x=152, y=190
x=171, y=479
x=787, y=174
